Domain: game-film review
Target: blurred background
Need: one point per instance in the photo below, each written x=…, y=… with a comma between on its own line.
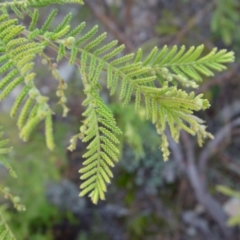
x=193, y=196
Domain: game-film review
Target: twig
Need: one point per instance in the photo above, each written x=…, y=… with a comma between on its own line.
x=202, y=195
x=221, y=138
x=211, y=205
x=191, y=23
x=128, y=19
x=229, y=164
x=110, y=25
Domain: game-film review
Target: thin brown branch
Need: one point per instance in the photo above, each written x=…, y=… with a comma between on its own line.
x=221, y=138
x=230, y=163
x=203, y=197
x=191, y=23
x=128, y=8
x=109, y=24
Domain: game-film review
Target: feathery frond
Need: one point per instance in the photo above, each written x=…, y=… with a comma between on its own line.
x=4, y=149
x=99, y=128
x=5, y=232
x=16, y=63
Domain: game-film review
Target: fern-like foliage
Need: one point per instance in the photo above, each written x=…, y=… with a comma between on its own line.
x=5, y=231
x=17, y=61
x=154, y=82
x=100, y=127
x=5, y=149
x=225, y=20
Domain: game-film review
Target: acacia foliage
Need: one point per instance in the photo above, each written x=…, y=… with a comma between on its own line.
x=156, y=82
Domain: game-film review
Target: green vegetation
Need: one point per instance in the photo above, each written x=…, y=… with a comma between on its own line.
x=160, y=86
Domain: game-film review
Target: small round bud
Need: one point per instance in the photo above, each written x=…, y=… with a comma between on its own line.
x=81, y=136
x=6, y=189
x=16, y=199
x=63, y=99
x=54, y=65
x=165, y=70
x=70, y=40
x=83, y=128
x=20, y=208
x=59, y=93
x=44, y=61
x=33, y=93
